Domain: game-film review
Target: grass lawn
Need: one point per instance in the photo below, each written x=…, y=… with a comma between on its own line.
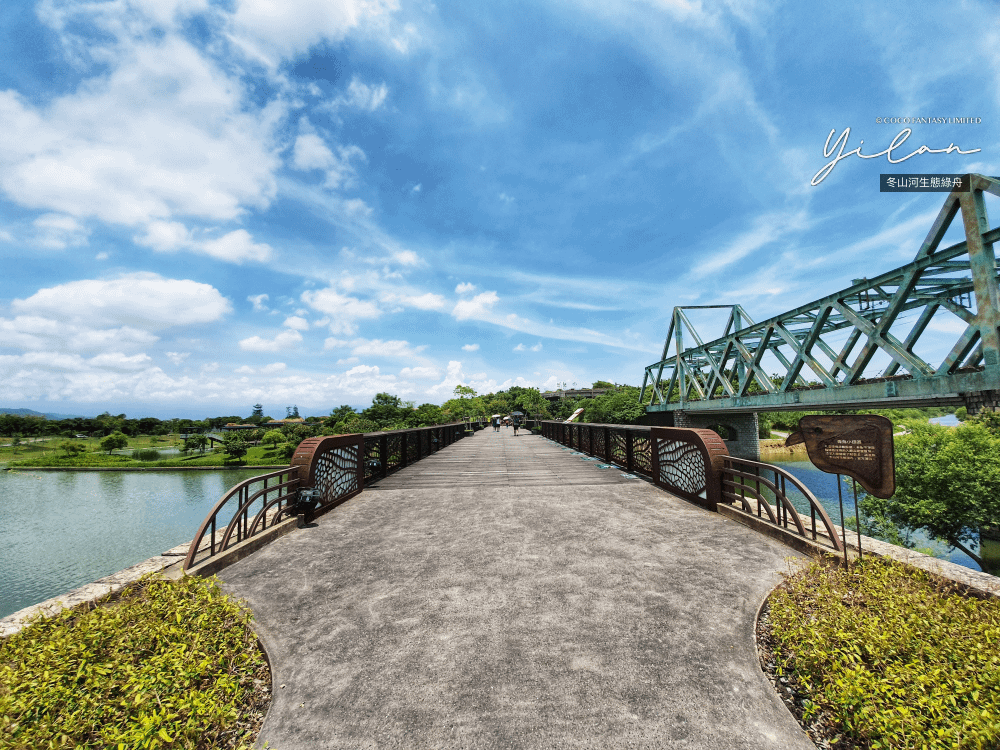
x=39, y=457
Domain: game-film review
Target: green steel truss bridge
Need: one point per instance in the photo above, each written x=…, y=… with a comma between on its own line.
x=858, y=347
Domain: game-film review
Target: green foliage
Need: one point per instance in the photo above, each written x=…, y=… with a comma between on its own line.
x=892, y=658
x=615, y=407
x=273, y=437
x=948, y=482
x=961, y=413
x=114, y=441
x=353, y=424
x=235, y=445
x=426, y=415
x=73, y=449
x=146, y=454
x=196, y=442
x=386, y=412
x=172, y=663
x=602, y=384
x=256, y=456
x=341, y=413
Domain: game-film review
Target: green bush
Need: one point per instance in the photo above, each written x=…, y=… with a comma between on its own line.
x=146, y=454
x=171, y=663
x=891, y=656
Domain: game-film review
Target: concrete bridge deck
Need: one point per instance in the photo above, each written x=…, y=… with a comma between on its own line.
x=505, y=593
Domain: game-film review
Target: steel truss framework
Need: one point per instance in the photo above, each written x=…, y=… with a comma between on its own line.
x=728, y=374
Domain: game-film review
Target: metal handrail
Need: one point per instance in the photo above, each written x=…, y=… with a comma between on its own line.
x=626, y=446
x=242, y=491
x=241, y=525
x=784, y=510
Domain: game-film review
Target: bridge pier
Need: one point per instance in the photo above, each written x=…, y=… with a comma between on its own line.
x=977, y=401
x=742, y=438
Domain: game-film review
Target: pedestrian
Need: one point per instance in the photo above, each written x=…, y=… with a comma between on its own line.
x=517, y=423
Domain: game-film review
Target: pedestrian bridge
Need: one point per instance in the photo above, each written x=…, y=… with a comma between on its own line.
x=481, y=589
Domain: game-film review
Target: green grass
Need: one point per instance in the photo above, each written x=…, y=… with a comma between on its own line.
x=889, y=657
x=171, y=663
x=257, y=456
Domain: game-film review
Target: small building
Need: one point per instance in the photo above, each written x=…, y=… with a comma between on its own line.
x=234, y=427
x=574, y=393
x=277, y=424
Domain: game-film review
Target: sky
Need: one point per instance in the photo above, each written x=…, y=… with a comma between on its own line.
x=207, y=205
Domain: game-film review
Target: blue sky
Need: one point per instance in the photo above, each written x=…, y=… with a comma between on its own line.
x=207, y=205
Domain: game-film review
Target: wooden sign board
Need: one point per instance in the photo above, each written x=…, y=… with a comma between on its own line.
x=858, y=445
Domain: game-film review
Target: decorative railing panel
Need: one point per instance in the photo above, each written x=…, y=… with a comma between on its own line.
x=686, y=463
x=335, y=466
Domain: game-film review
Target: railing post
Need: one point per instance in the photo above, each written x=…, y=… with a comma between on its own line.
x=629, y=448
x=402, y=449
x=383, y=455
x=607, y=444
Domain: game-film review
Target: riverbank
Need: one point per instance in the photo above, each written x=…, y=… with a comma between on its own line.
x=256, y=457
x=778, y=448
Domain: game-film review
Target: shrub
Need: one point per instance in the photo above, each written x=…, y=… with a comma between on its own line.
x=171, y=662
x=893, y=657
x=146, y=454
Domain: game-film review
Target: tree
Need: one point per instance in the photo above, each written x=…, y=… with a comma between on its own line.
x=602, y=384
x=114, y=441
x=341, y=413
x=273, y=438
x=426, y=415
x=387, y=411
x=464, y=391
x=947, y=483
x=234, y=444
x=195, y=442
x=71, y=449
x=291, y=412
x=258, y=411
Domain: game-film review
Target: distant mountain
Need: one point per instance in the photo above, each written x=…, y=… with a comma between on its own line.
x=33, y=413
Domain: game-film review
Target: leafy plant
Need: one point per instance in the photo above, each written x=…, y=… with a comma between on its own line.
x=114, y=441
x=890, y=656
x=171, y=663
x=146, y=454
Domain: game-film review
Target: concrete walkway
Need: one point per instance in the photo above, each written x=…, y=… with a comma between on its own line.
x=505, y=593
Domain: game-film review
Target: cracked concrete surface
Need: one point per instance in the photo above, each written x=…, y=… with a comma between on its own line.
x=545, y=603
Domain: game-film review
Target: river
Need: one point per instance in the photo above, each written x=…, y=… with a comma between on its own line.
x=63, y=529
x=824, y=487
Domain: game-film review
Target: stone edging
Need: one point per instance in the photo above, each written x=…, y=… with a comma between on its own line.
x=92, y=593
x=973, y=580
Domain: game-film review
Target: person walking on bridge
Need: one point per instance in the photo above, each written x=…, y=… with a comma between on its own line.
x=517, y=423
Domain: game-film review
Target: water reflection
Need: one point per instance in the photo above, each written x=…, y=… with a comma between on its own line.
x=60, y=530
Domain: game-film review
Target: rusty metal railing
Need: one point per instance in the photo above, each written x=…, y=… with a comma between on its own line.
x=335, y=466
x=622, y=445
x=744, y=481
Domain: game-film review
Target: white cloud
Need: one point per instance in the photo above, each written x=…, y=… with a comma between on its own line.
x=379, y=348
x=765, y=230
x=426, y=301
x=407, y=258
x=273, y=368
x=520, y=348
x=177, y=357
x=343, y=310
x=59, y=231
x=141, y=300
x=271, y=30
x=465, y=288
x=416, y=188
x=470, y=347
x=102, y=256
x=297, y=323
x=6, y=236
x=477, y=307
x=34, y=333
x=537, y=347
x=310, y=152
x=234, y=247
x=419, y=372
x=258, y=300
x=284, y=340
x=362, y=96
x=118, y=361
x=163, y=132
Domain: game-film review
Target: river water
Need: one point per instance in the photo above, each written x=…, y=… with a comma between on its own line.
x=63, y=529
x=824, y=487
